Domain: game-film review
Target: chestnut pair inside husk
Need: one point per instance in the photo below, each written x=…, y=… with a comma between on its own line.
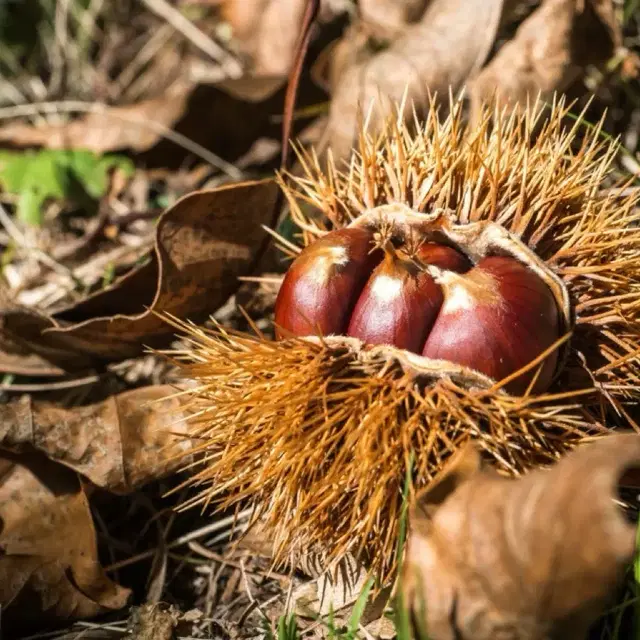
x=450, y=284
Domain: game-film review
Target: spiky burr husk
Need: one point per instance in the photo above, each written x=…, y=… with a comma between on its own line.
x=318, y=434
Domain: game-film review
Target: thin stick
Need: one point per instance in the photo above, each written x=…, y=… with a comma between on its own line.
x=261, y=279
x=49, y=386
x=71, y=106
x=184, y=539
x=311, y=11
x=196, y=547
x=289, y=245
x=199, y=39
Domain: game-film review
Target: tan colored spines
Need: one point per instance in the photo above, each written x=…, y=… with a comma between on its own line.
x=318, y=436
x=544, y=192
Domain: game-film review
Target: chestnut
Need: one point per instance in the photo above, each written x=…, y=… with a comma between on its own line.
x=443, y=256
x=322, y=285
x=496, y=319
x=397, y=306
x=400, y=302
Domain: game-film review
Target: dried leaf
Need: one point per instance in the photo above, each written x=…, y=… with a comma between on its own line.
x=49, y=565
x=549, y=51
x=203, y=243
x=339, y=591
x=451, y=41
x=153, y=622
x=252, y=88
x=266, y=33
x=118, y=444
x=390, y=17
x=533, y=558
x=137, y=126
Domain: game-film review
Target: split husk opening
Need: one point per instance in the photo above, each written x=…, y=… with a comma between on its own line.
x=401, y=225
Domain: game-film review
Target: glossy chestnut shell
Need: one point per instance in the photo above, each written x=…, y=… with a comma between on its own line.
x=494, y=316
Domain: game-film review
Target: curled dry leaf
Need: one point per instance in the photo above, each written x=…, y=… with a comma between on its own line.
x=266, y=31
x=447, y=47
x=203, y=243
x=449, y=43
x=549, y=51
x=533, y=558
x=118, y=444
x=49, y=565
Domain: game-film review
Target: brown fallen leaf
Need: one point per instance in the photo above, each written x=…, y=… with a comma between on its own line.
x=449, y=43
x=534, y=558
x=107, y=128
x=118, y=444
x=265, y=33
x=379, y=22
x=390, y=17
x=203, y=243
x=49, y=567
x=15, y=357
x=550, y=51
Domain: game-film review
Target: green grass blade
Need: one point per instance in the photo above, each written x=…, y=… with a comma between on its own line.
x=358, y=609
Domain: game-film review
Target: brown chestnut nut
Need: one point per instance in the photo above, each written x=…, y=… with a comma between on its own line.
x=398, y=305
x=496, y=319
x=322, y=285
x=443, y=256
x=400, y=302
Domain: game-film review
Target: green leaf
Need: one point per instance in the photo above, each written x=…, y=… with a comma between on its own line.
x=29, y=208
x=404, y=510
x=331, y=623
x=13, y=169
x=288, y=627
x=75, y=175
x=403, y=627
x=92, y=171
x=630, y=8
